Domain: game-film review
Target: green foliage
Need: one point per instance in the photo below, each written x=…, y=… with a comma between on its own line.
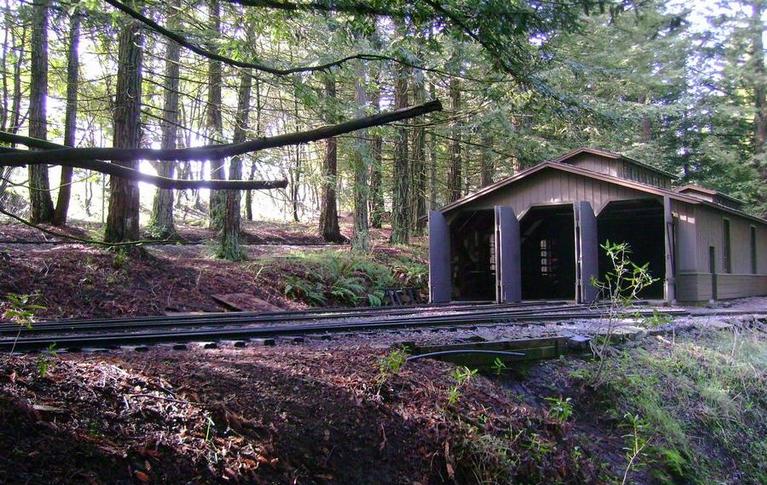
x=333, y=278
x=560, y=409
x=44, y=361
x=702, y=405
x=657, y=319
x=20, y=309
x=499, y=366
x=390, y=365
x=461, y=375
x=620, y=288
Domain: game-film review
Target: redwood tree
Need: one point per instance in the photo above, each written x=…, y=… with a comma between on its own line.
x=329, y=229
x=161, y=224
x=39, y=187
x=70, y=117
x=123, y=216
x=230, y=232
x=214, y=121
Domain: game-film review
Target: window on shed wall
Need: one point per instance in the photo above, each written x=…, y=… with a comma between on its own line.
x=726, y=253
x=753, y=250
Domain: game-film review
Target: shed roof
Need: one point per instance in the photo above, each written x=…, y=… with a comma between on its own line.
x=558, y=165
x=615, y=156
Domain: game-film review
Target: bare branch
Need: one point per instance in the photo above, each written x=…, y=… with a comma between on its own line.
x=184, y=42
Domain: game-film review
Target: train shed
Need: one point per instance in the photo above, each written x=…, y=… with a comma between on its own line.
x=536, y=235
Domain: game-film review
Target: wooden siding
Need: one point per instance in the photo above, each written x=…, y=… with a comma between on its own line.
x=698, y=228
x=550, y=187
x=619, y=168
x=697, y=286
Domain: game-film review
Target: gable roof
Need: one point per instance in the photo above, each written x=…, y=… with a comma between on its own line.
x=612, y=155
x=692, y=188
x=631, y=184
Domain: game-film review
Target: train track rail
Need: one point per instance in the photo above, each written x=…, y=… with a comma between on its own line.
x=78, y=335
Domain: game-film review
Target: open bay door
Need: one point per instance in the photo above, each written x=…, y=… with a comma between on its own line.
x=586, y=252
x=508, y=256
x=440, y=287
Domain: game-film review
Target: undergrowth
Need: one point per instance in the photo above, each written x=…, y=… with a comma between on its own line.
x=703, y=403
x=348, y=279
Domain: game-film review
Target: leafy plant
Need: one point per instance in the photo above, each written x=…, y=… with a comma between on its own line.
x=44, y=361
x=499, y=366
x=391, y=364
x=20, y=310
x=620, y=288
x=346, y=279
x=461, y=375
x=657, y=319
x=637, y=440
x=560, y=409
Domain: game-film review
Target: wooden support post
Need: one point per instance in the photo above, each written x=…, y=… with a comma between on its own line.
x=440, y=285
x=508, y=256
x=586, y=252
x=669, y=283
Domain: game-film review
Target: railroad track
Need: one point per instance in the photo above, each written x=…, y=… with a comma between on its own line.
x=78, y=335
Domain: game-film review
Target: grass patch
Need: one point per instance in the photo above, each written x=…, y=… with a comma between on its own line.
x=704, y=402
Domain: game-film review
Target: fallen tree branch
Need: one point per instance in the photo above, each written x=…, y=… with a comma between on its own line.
x=138, y=176
x=86, y=157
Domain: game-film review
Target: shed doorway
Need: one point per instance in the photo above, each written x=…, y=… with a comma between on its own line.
x=639, y=223
x=472, y=255
x=548, y=253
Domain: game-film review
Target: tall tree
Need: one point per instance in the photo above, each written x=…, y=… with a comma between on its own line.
x=759, y=79
x=161, y=223
x=360, y=159
x=215, y=123
x=486, y=165
x=329, y=229
x=39, y=186
x=230, y=233
x=401, y=177
x=376, y=167
x=456, y=162
x=418, y=166
x=252, y=174
x=123, y=218
x=70, y=117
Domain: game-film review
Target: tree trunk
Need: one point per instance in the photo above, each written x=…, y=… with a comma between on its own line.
x=161, y=224
x=361, y=165
x=454, y=173
x=400, y=214
x=70, y=118
x=214, y=122
x=486, y=165
x=123, y=217
x=376, y=170
x=252, y=174
x=419, y=163
x=329, y=229
x=39, y=187
x=230, y=233
x=432, y=160
x=760, y=81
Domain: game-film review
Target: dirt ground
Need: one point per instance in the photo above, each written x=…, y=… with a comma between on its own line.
x=80, y=281
x=260, y=415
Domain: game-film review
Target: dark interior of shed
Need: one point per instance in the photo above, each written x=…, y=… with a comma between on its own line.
x=472, y=254
x=640, y=224
x=548, y=253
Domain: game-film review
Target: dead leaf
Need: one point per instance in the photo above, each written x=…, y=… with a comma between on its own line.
x=141, y=476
